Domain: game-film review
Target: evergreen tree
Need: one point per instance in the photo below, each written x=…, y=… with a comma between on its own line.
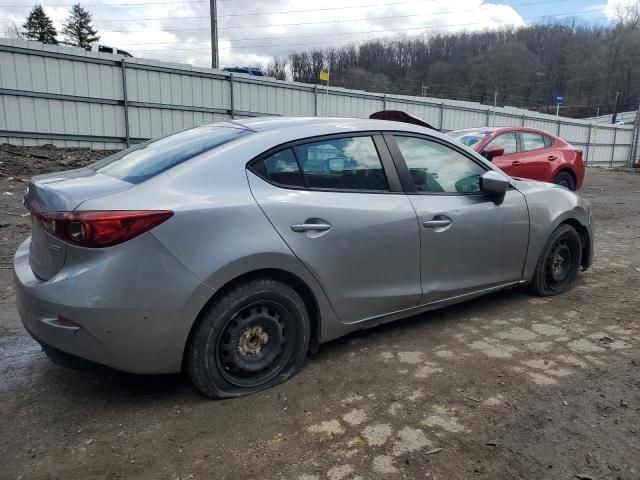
x=39, y=26
x=78, y=30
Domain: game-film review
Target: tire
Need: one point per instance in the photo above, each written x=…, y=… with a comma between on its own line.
x=565, y=179
x=253, y=336
x=559, y=263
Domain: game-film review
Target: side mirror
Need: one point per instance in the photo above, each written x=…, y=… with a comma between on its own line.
x=493, y=152
x=494, y=182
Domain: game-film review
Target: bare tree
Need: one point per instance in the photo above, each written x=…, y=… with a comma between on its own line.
x=525, y=66
x=628, y=13
x=12, y=30
x=277, y=68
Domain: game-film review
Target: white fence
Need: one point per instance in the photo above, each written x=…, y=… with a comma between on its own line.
x=70, y=97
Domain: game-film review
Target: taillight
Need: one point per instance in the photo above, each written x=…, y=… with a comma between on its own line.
x=101, y=228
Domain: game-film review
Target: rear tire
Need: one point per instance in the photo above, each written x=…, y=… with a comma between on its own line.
x=558, y=264
x=253, y=336
x=565, y=179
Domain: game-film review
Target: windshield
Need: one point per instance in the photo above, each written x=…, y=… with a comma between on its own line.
x=469, y=137
x=148, y=159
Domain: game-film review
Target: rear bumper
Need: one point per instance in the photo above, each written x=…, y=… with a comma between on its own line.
x=132, y=306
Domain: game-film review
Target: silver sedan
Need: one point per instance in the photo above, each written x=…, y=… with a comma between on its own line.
x=230, y=250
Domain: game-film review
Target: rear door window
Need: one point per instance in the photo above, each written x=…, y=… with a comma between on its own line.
x=148, y=159
x=532, y=141
x=350, y=163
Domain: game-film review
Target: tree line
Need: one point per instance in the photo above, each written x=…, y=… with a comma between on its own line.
x=77, y=29
x=588, y=66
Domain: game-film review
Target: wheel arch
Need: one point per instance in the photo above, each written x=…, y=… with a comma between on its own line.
x=585, y=241
x=292, y=280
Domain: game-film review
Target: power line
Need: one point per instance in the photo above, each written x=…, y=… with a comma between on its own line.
x=297, y=24
x=284, y=12
x=269, y=12
x=115, y=4
x=431, y=27
x=281, y=37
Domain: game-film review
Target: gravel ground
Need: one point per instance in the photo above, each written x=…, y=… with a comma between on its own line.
x=506, y=386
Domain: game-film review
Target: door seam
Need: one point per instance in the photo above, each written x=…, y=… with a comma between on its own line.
x=290, y=249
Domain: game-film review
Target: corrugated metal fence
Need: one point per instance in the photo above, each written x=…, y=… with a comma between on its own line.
x=70, y=97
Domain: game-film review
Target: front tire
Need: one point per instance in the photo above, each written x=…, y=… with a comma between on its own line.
x=253, y=336
x=559, y=263
x=565, y=179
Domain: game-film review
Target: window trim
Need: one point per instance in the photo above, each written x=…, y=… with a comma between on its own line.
x=522, y=132
x=395, y=186
x=403, y=170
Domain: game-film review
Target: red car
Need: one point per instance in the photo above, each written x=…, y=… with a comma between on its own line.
x=527, y=153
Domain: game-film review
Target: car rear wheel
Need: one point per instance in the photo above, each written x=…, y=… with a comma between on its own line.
x=559, y=262
x=253, y=336
x=565, y=179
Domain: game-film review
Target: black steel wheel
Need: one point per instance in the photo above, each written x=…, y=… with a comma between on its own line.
x=254, y=343
x=559, y=263
x=251, y=337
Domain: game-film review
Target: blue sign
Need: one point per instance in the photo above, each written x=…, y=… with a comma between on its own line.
x=559, y=100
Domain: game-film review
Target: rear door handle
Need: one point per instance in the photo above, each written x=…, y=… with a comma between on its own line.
x=310, y=227
x=515, y=163
x=436, y=223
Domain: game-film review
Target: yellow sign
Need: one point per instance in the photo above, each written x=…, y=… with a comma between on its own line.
x=324, y=75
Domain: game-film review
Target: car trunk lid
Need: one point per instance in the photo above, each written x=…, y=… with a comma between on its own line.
x=61, y=192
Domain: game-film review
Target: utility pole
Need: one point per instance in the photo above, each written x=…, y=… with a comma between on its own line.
x=539, y=75
x=614, y=117
x=495, y=98
x=213, y=10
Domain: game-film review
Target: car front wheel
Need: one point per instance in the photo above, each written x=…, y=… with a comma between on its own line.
x=251, y=337
x=559, y=262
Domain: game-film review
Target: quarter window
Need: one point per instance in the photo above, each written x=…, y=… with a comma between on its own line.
x=342, y=164
x=507, y=141
x=532, y=141
x=280, y=168
x=437, y=168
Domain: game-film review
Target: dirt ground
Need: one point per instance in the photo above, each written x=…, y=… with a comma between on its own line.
x=506, y=386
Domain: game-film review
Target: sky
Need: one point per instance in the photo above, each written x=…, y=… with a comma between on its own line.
x=251, y=33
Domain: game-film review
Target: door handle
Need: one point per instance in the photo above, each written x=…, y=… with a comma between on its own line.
x=310, y=227
x=436, y=223
x=551, y=158
x=515, y=163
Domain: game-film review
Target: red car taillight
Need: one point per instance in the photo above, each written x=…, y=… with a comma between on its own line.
x=101, y=228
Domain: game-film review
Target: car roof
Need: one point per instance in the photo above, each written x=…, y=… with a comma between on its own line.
x=506, y=128
x=331, y=123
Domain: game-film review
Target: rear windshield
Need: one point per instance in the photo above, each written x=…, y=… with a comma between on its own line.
x=469, y=137
x=148, y=159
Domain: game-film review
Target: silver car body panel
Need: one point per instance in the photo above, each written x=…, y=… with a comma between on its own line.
x=484, y=245
x=129, y=316
x=136, y=302
x=550, y=205
x=368, y=261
